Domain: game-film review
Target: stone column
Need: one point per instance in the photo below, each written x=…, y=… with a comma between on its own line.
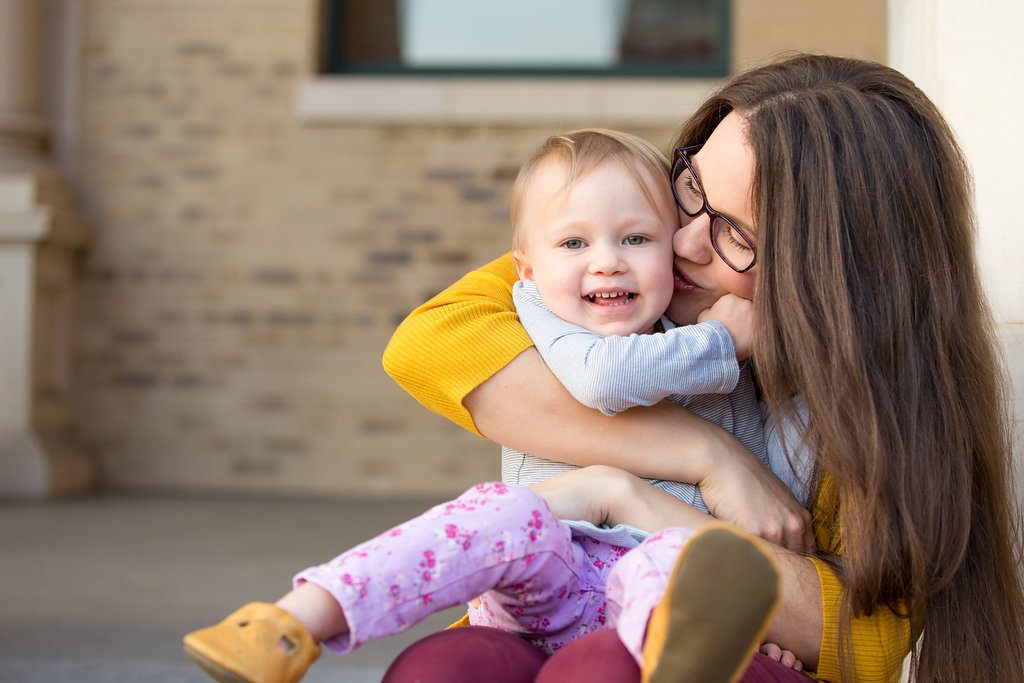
x=41, y=241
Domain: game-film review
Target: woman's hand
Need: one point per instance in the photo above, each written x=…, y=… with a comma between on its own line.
x=582, y=494
x=740, y=490
x=607, y=495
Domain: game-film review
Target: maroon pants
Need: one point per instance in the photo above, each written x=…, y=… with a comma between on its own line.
x=477, y=653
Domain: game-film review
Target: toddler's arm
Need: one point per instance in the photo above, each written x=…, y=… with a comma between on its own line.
x=614, y=373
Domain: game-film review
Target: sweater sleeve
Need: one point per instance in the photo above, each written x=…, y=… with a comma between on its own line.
x=615, y=373
x=879, y=642
x=460, y=338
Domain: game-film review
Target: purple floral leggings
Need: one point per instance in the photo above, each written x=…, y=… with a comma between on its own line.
x=503, y=544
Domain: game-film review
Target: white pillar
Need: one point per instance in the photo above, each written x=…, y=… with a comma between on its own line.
x=967, y=55
x=41, y=238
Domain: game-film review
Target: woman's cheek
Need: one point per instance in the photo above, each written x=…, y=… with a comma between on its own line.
x=741, y=284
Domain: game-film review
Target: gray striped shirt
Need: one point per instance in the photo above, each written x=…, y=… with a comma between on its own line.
x=683, y=364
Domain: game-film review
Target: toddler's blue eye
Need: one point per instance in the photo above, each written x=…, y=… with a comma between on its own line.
x=573, y=244
x=635, y=240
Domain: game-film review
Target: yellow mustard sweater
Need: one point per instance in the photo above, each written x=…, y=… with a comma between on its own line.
x=474, y=332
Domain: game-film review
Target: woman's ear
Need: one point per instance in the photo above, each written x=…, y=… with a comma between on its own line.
x=523, y=268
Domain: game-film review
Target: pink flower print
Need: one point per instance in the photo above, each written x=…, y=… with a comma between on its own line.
x=426, y=599
x=397, y=531
x=358, y=584
x=395, y=590
x=539, y=625
x=428, y=563
x=455, y=506
x=599, y=564
x=496, y=487
x=451, y=531
x=536, y=522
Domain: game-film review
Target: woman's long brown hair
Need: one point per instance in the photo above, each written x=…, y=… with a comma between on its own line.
x=869, y=307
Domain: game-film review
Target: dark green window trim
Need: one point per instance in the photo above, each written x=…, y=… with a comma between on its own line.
x=334, y=63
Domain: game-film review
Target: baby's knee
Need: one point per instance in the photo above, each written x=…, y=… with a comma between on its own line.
x=490, y=492
x=656, y=554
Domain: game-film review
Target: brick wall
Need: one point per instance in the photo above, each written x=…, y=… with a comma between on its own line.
x=248, y=270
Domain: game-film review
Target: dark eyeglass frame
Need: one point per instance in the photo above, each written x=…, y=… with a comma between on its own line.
x=681, y=162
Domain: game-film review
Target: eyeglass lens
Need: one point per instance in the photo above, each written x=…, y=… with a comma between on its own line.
x=729, y=242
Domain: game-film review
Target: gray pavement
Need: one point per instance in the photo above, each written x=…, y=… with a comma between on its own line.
x=101, y=589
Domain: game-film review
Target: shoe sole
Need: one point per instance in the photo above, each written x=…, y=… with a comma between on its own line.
x=215, y=670
x=722, y=593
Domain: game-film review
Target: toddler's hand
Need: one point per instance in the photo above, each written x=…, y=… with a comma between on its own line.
x=737, y=315
x=783, y=657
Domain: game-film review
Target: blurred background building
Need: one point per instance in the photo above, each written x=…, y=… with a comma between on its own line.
x=213, y=214
x=270, y=186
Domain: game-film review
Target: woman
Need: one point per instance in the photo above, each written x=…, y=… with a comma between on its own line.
x=849, y=186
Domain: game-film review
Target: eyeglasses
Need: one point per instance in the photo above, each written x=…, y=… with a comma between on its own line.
x=730, y=242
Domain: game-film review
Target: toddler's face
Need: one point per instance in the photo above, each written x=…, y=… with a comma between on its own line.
x=600, y=252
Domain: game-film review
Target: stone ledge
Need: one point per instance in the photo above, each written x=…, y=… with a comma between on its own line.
x=400, y=100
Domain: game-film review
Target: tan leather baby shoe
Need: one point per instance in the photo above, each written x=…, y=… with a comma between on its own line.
x=259, y=643
x=716, y=608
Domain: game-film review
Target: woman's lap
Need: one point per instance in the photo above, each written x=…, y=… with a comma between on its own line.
x=476, y=653
x=467, y=654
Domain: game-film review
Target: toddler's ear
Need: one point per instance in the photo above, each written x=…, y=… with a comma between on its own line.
x=523, y=269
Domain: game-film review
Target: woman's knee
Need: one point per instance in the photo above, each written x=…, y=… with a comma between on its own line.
x=467, y=654
x=595, y=658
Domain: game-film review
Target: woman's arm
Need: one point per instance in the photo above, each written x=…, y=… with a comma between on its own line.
x=446, y=347
x=525, y=407
x=465, y=355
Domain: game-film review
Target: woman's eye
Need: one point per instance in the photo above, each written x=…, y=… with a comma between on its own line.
x=635, y=240
x=690, y=188
x=573, y=244
x=738, y=244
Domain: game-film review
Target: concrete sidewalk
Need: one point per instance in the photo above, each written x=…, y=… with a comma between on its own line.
x=102, y=589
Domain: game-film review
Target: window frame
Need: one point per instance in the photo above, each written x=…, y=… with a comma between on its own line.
x=333, y=64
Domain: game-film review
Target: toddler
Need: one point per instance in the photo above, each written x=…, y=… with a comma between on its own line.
x=593, y=220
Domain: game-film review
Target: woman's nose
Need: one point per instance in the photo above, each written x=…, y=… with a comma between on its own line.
x=693, y=240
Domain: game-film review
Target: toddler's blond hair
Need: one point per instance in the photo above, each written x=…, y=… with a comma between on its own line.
x=581, y=151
